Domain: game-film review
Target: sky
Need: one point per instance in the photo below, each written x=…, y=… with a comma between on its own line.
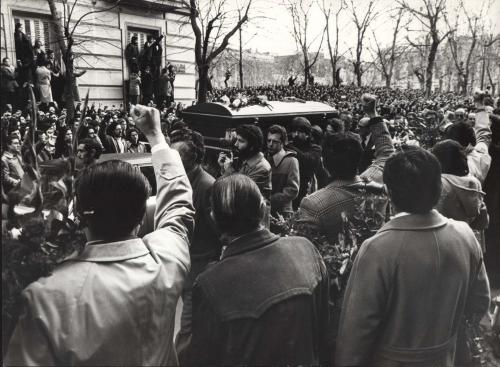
x=273, y=33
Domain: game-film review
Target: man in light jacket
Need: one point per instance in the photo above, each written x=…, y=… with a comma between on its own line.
x=114, y=303
x=413, y=281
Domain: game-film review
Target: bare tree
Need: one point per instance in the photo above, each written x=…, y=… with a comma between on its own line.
x=475, y=26
x=213, y=25
x=65, y=26
x=300, y=13
x=429, y=16
x=387, y=56
x=361, y=22
x=335, y=57
x=333, y=52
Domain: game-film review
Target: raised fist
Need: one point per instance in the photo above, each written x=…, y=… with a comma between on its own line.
x=147, y=119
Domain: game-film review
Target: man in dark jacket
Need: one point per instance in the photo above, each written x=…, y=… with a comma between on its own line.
x=308, y=155
x=284, y=172
x=147, y=86
x=24, y=54
x=265, y=302
x=205, y=245
x=132, y=54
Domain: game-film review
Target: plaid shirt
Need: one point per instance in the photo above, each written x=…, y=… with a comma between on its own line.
x=323, y=209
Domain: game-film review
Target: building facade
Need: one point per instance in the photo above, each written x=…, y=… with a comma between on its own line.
x=101, y=37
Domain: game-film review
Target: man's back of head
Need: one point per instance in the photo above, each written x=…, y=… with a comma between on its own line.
x=461, y=132
x=341, y=155
x=111, y=199
x=237, y=204
x=413, y=180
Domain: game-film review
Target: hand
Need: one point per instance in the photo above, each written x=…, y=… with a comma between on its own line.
x=225, y=161
x=147, y=120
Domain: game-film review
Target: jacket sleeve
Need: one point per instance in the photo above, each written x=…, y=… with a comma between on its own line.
x=478, y=300
x=30, y=345
x=291, y=190
x=479, y=160
x=363, y=307
x=384, y=147
x=174, y=197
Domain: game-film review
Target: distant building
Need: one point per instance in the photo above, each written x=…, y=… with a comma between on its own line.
x=101, y=38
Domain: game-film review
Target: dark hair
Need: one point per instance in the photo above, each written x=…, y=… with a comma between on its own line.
x=130, y=131
x=461, y=132
x=278, y=129
x=111, y=197
x=341, y=155
x=452, y=157
x=338, y=125
x=236, y=204
x=253, y=135
x=301, y=124
x=413, y=179
x=91, y=144
x=9, y=139
x=194, y=141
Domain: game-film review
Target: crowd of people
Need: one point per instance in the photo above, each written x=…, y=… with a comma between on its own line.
x=251, y=296
x=39, y=67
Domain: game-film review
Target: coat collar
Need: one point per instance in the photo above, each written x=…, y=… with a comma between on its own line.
x=250, y=241
x=254, y=160
x=342, y=183
x=111, y=251
x=416, y=222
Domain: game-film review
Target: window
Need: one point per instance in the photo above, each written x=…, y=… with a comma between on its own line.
x=37, y=28
x=141, y=35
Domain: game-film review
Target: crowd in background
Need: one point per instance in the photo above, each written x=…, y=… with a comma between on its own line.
x=303, y=171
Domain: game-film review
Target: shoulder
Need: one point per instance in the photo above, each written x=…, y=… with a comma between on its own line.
x=63, y=285
x=316, y=201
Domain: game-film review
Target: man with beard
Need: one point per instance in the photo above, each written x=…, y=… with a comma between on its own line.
x=308, y=155
x=114, y=143
x=250, y=159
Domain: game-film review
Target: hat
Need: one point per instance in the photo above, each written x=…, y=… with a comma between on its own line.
x=301, y=124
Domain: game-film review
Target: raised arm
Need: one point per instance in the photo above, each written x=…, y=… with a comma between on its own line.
x=381, y=139
x=174, y=205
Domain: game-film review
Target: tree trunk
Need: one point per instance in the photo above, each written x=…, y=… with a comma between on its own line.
x=465, y=84
x=335, y=81
x=307, y=69
x=430, y=68
x=203, y=83
x=357, y=72
x=240, y=61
